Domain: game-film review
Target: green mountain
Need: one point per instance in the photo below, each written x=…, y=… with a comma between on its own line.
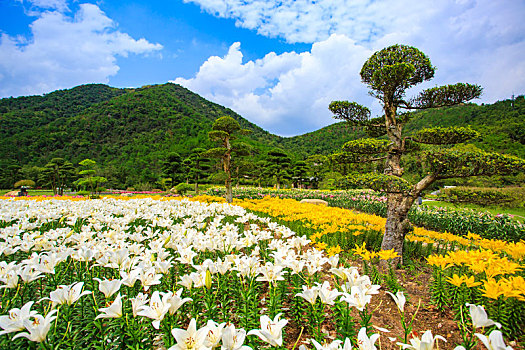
x=130, y=132
x=502, y=124
x=325, y=141
x=502, y=128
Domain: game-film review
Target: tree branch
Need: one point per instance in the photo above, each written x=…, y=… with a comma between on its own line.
x=443, y=96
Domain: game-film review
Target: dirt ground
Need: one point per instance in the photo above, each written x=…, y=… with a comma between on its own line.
x=386, y=315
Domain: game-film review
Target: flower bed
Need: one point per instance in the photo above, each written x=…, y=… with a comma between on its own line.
x=152, y=273
x=456, y=221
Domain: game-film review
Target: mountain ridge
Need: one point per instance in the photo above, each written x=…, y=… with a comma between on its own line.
x=130, y=131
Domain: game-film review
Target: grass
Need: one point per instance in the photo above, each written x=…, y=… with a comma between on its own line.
x=519, y=213
x=31, y=192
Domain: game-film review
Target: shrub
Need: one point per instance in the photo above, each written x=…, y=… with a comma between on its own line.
x=144, y=186
x=509, y=196
x=183, y=187
x=27, y=183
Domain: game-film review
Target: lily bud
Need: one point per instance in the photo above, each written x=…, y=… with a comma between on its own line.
x=207, y=279
x=166, y=241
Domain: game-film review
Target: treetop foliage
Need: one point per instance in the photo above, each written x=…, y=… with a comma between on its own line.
x=442, y=96
x=376, y=181
x=445, y=135
x=388, y=73
x=457, y=163
x=350, y=112
x=366, y=146
x=396, y=68
x=226, y=124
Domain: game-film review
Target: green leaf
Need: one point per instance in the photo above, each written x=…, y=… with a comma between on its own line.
x=217, y=152
x=351, y=112
x=377, y=182
x=442, y=96
x=396, y=68
x=445, y=136
x=456, y=163
x=366, y=146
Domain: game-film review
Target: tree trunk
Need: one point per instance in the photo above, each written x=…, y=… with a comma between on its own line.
x=228, y=171
x=397, y=224
x=228, y=183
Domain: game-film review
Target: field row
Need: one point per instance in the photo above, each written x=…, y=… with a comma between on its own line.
x=157, y=272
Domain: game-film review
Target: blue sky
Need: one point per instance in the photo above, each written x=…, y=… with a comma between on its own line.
x=277, y=63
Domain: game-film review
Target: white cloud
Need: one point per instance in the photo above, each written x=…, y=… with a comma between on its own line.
x=64, y=52
x=287, y=92
x=472, y=41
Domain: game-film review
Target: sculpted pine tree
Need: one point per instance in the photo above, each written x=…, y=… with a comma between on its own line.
x=224, y=131
x=389, y=73
x=58, y=173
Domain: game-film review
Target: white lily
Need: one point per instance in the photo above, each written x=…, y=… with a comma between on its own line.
x=233, y=339
x=14, y=321
x=149, y=277
x=175, y=300
x=38, y=328
x=309, y=294
x=347, y=345
x=479, y=316
x=271, y=331
x=327, y=294
x=137, y=302
x=222, y=266
x=399, y=299
x=425, y=343
x=335, y=345
x=494, y=341
x=357, y=297
x=156, y=309
x=186, y=281
x=271, y=273
x=333, y=260
x=129, y=279
x=48, y=262
x=214, y=335
x=29, y=273
x=10, y=279
x=191, y=338
x=112, y=311
x=364, y=342
x=67, y=294
x=367, y=286
x=108, y=287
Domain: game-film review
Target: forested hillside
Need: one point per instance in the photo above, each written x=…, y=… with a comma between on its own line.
x=128, y=131
x=131, y=132
x=502, y=128
x=502, y=124
x=325, y=141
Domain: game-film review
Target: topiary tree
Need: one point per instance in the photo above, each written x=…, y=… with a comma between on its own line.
x=300, y=173
x=25, y=183
x=173, y=168
x=318, y=165
x=278, y=166
x=58, y=174
x=389, y=73
x=89, y=179
x=199, y=166
x=224, y=131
